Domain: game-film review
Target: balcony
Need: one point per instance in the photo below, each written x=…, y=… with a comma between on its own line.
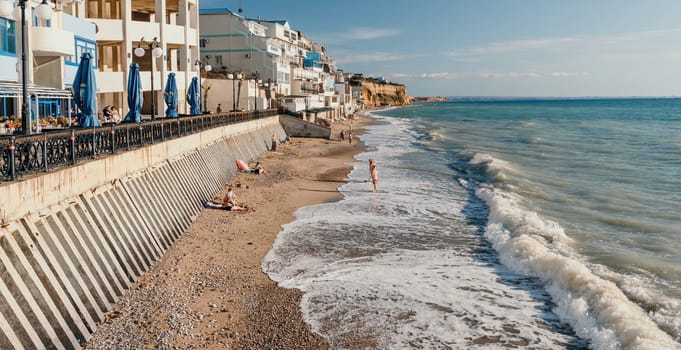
x=108, y=29
x=46, y=41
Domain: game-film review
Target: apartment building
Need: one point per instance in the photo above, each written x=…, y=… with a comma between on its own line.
x=266, y=51
x=123, y=26
x=110, y=30
x=52, y=48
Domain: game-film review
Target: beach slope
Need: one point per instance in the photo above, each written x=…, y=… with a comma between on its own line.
x=208, y=291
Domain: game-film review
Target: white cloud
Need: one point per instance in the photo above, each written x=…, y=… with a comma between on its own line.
x=486, y=75
x=492, y=49
x=374, y=57
x=516, y=45
x=369, y=33
x=561, y=44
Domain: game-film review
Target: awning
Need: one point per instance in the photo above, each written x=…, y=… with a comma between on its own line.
x=13, y=89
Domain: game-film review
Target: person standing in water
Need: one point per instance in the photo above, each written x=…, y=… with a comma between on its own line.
x=374, y=174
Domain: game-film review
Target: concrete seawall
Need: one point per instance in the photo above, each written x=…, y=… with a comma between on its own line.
x=72, y=241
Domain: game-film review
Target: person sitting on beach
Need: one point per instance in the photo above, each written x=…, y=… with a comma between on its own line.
x=230, y=197
x=228, y=203
x=274, y=143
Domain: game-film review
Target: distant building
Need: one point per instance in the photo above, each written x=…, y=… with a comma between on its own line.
x=275, y=60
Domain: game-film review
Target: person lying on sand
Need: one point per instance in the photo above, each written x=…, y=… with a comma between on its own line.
x=258, y=169
x=224, y=206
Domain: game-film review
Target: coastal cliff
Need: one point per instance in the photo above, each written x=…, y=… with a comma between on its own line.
x=380, y=93
x=429, y=99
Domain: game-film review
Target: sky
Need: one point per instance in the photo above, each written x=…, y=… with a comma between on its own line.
x=542, y=48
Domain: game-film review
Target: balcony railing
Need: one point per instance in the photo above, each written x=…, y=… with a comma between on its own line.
x=25, y=155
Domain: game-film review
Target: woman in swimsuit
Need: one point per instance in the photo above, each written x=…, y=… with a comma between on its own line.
x=374, y=174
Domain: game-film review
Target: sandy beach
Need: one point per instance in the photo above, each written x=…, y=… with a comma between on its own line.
x=208, y=290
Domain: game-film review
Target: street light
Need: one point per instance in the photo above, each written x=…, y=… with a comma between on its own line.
x=156, y=52
x=233, y=77
x=43, y=12
x=206, y=68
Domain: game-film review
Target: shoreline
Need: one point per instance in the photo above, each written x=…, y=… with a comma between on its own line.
x=208, y=290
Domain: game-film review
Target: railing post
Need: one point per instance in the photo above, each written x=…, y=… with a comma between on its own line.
x=127, y=137
x=11, y=148
x=162, y=135
x=113, y=139
x=141, y=135
x=72, y=143
x=45, y=151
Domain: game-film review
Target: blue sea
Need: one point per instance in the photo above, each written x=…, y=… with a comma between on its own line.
x=529, y=224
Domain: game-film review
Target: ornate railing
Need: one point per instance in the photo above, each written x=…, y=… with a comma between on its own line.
x=23, y=155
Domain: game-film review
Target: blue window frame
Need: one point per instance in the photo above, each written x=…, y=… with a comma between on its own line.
x=83, y=45
x=8, y=37
x=49, y=107
x=7, y=106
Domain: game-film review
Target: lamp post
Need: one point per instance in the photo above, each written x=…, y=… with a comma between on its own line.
x=206, y=68
x=234, y=77
x=155, y=52
x=43, y=12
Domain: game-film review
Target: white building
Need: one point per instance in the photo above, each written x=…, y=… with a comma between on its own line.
x=124, y=25
x=266, y=51
x=110, y=30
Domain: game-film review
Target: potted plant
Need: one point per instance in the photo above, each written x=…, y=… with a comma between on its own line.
x=62, y=121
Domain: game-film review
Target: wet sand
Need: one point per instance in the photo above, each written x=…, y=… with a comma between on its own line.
x=208, y=291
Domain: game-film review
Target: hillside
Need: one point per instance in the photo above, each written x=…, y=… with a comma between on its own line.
x=380, y=94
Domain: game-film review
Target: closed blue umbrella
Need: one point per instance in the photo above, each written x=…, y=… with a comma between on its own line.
x=170, y=96
x=193, y=96
x=84, y=90
x=135, y=97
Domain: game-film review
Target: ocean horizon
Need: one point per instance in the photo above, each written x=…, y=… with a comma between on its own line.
x=522, y=223
x=550, y=98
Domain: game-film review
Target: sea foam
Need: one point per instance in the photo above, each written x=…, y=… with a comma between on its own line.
x=596, y=308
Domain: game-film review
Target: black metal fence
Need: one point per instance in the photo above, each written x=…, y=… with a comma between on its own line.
x=23, y=155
